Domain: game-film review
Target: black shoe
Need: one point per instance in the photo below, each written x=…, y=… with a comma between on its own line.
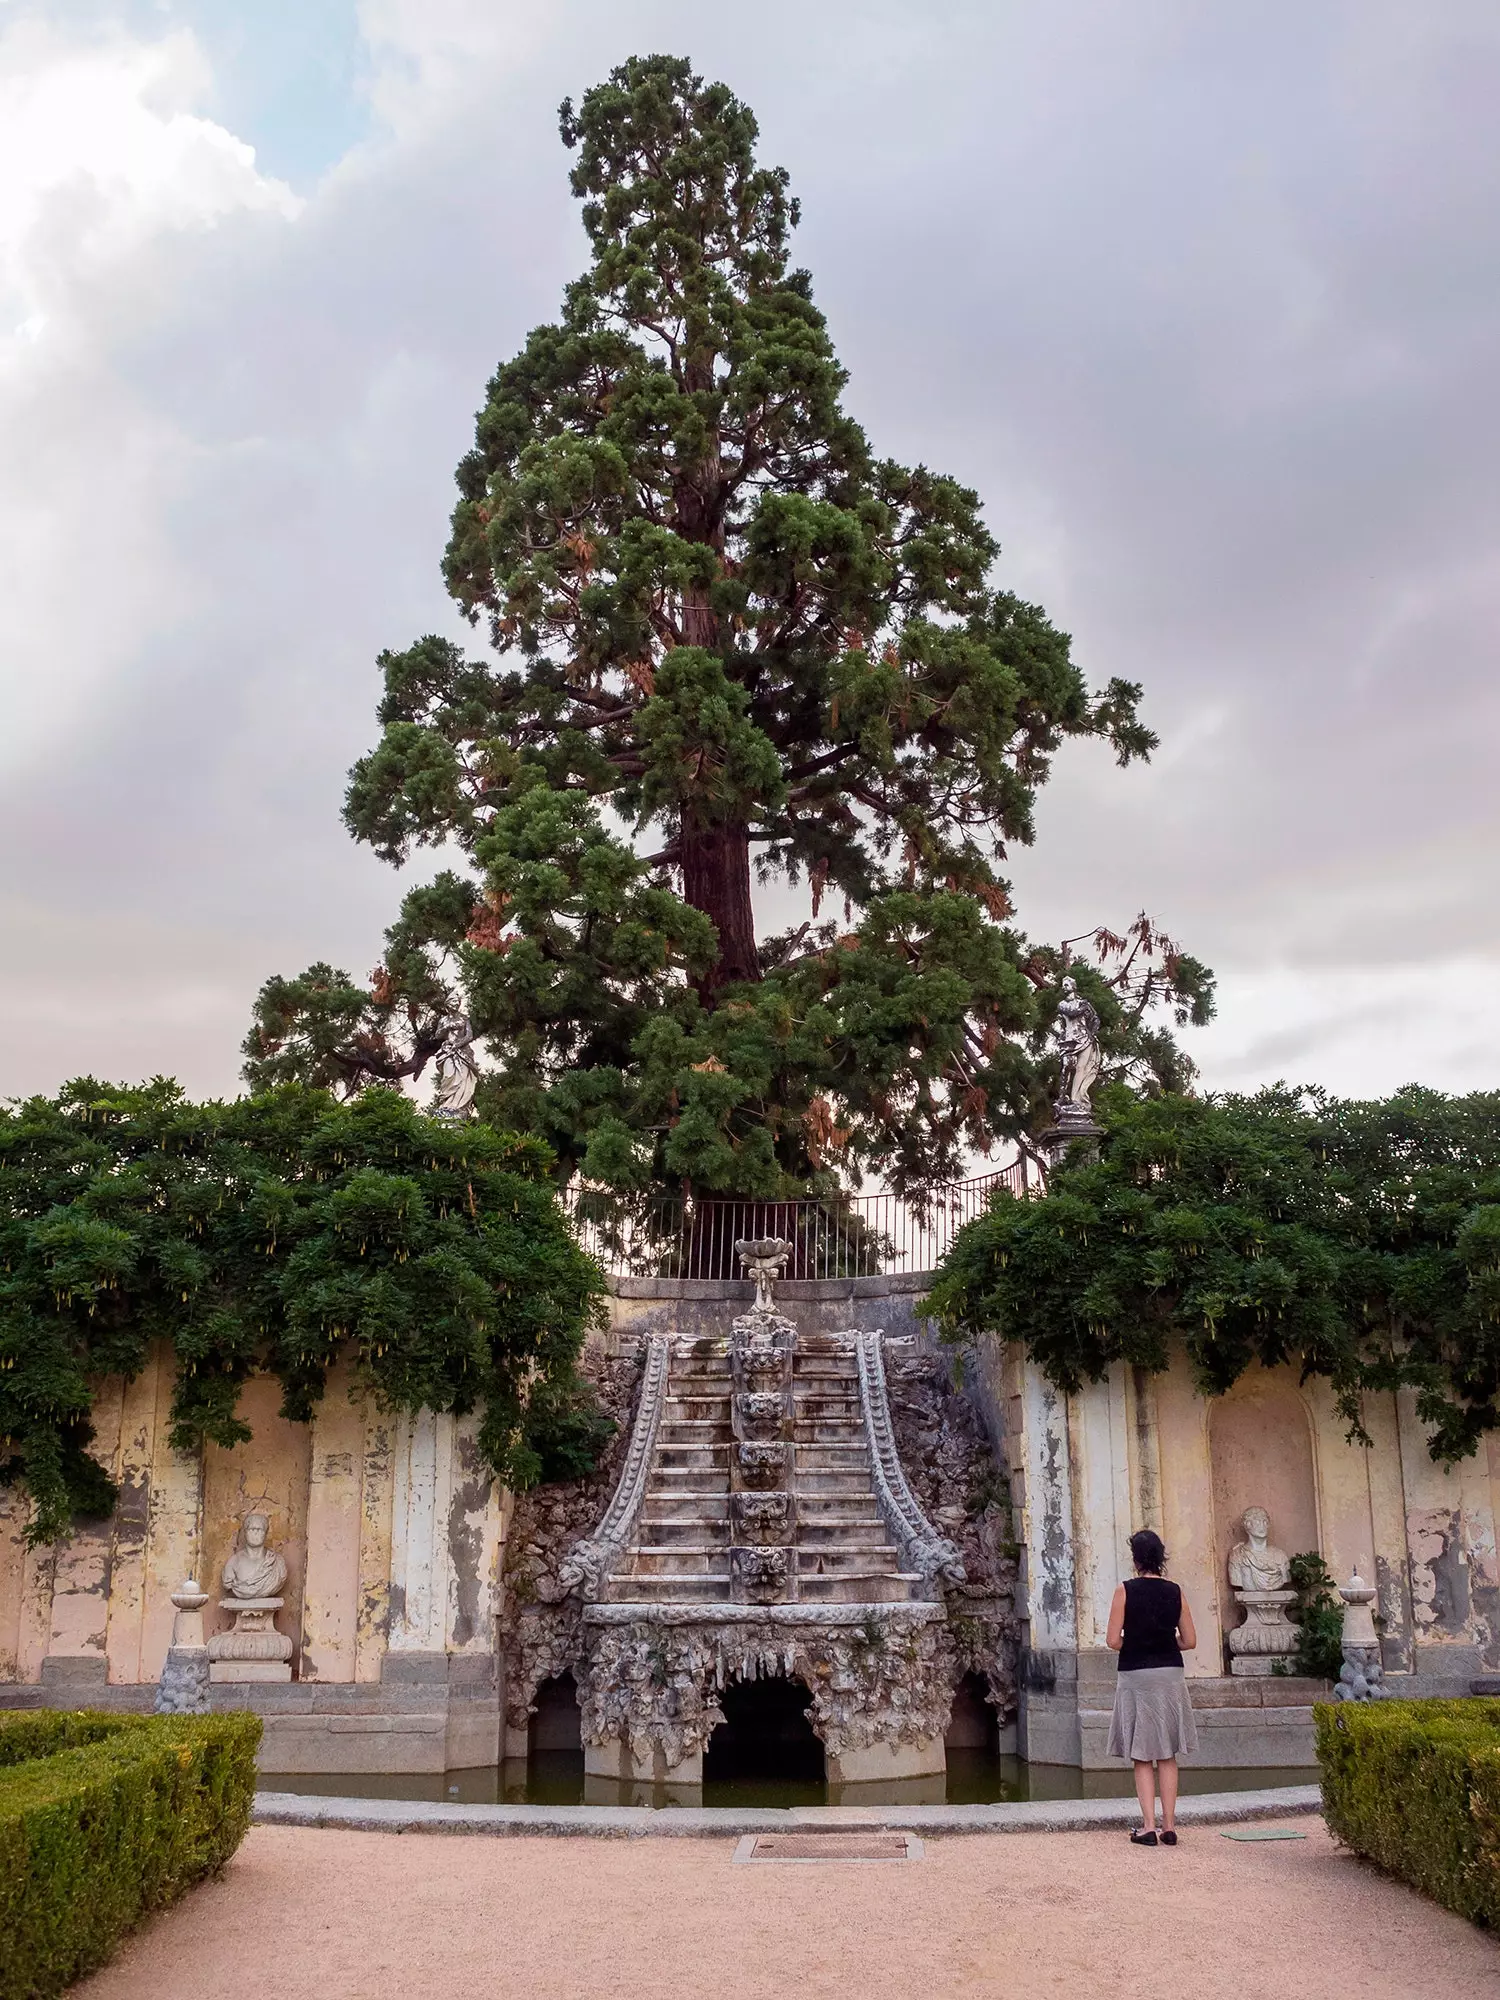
x=1143, y=1839
x=1169, y=1839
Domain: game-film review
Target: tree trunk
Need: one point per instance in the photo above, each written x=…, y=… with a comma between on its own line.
x=716, y=880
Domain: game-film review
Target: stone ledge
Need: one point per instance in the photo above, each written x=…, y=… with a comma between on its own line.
x=736, y=1291
x=709, y=1823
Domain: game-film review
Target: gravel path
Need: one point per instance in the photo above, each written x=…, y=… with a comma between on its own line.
x=313, y=1914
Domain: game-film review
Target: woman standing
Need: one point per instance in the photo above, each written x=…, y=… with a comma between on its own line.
x=1149, y=1624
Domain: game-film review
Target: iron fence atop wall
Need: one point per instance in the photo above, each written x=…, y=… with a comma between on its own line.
x=834, y=1236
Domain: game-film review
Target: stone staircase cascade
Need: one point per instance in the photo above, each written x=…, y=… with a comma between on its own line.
x=720, y=1525
x=762, y=1525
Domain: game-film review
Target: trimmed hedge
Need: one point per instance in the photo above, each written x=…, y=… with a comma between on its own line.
x=1414, y=1786
x=103, y=1819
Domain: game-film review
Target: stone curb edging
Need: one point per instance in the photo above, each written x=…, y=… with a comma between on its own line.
x=706, y=1823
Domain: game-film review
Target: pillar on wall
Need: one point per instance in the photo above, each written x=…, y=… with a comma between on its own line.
x=330, y=1602
x=446, y=1531
x=1041, y=1493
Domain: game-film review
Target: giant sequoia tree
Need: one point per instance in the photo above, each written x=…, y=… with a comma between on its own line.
x=730, y=644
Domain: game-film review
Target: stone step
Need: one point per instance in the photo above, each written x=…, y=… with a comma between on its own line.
x=869, y=1587
x=877, y=1558
x=685, y=1507
x=844, y=1455
x=669, y=1589
x=818, y=1483
x=694, y=1430
x=675, y=1474
x=814, y=1430
x=681, y=1562
x=694, y=1531
x=691, y=1457
x=838, y=1510
x=841, y=1534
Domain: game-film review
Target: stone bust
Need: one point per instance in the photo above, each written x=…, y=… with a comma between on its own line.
x=1256, y=1563
x=254, y=1570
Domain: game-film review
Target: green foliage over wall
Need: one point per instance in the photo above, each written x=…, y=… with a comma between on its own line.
x=103, y=1819
x=1357, y=1241
x=279, y=1233
x=1414, y=1786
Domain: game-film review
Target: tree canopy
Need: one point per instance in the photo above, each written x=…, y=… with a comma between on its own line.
x=727, y=640
x=278, y=1233
x=1357, y=1241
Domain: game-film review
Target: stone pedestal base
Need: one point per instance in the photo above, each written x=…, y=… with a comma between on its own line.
x=1267, y=1638
x=250, y=1670
x=183, y=1687
x=881, y=1761
x=613, y=1759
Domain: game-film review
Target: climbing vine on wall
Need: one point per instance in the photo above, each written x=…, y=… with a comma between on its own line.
x=1357, y=1241
x=280, y=1233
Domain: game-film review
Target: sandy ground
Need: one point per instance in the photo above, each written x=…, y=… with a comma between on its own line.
x=326, y=1915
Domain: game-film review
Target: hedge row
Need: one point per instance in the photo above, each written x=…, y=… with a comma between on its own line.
x=1414, y=1786
x=103, y=1819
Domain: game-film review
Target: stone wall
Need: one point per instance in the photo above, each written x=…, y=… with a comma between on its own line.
x=1150, y=1451
x=397, y=1546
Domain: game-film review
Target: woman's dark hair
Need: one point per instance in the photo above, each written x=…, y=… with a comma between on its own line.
x=1147, y=1551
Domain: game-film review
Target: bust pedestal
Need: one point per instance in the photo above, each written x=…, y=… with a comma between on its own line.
x=254, y=1650
x=1267, y=1636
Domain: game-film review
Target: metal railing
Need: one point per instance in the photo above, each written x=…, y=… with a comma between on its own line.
x=835, y=1236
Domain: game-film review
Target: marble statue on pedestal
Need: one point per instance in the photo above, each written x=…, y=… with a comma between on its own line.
x=1078, y=1048
x=1079, y=1060
x=1259, y=1573
x=252, y=1578
x=457, y=1075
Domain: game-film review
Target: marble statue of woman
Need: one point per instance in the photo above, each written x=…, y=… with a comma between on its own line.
x=1256, y=1563
x=457, y=1074
x=254, y=1570
x=1078, y=1046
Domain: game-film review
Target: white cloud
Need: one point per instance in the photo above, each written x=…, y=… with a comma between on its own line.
x=103, y=162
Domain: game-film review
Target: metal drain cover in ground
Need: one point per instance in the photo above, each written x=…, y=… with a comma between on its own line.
x=828, y=1847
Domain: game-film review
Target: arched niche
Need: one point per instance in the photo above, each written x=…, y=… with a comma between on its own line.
x=1261, y=1451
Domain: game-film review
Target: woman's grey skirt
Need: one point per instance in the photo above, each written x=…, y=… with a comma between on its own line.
x=1153, y=1716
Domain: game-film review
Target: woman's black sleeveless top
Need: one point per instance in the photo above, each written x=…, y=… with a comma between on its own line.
x=1152, y=1609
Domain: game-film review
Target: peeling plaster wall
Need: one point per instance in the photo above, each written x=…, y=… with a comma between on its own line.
x=100, y=1604
x=393, y=1535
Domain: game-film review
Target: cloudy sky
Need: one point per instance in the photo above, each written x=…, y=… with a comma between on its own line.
x=1204, y=300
